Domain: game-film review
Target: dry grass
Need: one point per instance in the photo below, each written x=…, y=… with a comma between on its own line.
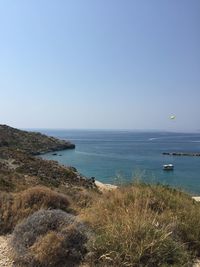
x=49, y=238
x=15, y=207
x=49, y=246
x=143, y=225
x=135, y=225
x=81, y=198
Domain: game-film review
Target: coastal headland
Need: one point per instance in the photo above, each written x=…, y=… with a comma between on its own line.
x=20, y=168
x=33, y=143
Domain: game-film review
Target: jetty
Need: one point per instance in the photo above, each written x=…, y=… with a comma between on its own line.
x=193, y=154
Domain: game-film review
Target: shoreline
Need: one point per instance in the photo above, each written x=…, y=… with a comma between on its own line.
x=105, y=187
x=196, y=198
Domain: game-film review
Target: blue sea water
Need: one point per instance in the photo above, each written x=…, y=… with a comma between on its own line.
x=110, y=154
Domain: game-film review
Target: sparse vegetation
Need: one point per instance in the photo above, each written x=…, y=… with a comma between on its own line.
x=144, y=225
x=19, y=171
x=30, y=142
x=15, y=207
x=49, y=238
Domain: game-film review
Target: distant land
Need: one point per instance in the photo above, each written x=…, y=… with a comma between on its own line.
x=34, y=143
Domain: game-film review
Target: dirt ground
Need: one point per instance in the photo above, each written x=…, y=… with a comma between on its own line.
x=5, y=258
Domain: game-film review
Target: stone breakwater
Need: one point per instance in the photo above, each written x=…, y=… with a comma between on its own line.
x=193, y=154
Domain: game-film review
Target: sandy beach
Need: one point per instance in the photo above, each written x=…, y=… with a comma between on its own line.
x=105, y=187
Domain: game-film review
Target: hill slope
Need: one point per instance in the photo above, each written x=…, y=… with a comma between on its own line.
x=32, y=142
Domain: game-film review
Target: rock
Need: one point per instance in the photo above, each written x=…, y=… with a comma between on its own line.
x=72, y=169
x=92, y=179
x=105, y=187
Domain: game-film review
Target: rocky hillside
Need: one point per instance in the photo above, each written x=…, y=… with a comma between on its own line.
x=32, y=142
x=20, y=169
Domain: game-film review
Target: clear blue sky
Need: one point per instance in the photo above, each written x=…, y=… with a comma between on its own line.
x=115, y=64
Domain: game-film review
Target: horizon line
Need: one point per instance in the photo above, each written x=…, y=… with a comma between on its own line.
x=112, y=129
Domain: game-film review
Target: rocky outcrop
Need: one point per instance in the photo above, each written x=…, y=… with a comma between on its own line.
x=31, y=142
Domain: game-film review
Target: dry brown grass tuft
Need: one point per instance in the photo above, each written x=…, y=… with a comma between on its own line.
x=15, y=207
x=144, y=225
x=49, y=246
x=41, y=197
x=49, y=238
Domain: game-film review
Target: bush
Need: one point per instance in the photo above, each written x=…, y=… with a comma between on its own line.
x=15, y=207
x=6, y=201
x=41, y=197
x=142, y=225
x=49, y=238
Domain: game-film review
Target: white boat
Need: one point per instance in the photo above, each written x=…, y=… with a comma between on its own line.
x=168, y=167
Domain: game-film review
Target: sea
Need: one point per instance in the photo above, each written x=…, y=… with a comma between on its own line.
x=119, y=156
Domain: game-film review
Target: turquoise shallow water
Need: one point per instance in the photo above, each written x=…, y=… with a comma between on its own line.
x=108, y=154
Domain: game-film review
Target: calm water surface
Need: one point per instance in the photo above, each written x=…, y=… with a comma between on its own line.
x=110, y=154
